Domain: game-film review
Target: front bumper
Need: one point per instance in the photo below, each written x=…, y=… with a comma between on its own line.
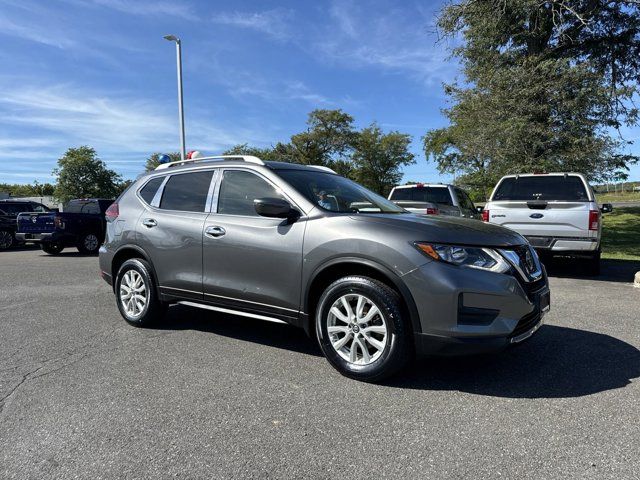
x=468, y=311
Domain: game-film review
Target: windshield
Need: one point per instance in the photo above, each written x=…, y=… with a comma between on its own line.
x=337, y=194
x=544, y=187
x=420, y=193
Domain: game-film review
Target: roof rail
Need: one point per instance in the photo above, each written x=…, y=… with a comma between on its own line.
x=244, y=158
x=322, y=167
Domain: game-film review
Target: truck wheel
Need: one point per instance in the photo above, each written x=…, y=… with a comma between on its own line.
x=362, y=330
x=52, y=248
x=136, y=294
x=89, y=243
x=6, y=239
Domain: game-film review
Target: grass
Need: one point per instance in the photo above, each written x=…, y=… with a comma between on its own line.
x=621, y=234
x=618, y=197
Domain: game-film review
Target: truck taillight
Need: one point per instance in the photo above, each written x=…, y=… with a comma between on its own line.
x=594, y=219
x=112, y=212
x=58, y=223
x=431, y=211
x=485, y=215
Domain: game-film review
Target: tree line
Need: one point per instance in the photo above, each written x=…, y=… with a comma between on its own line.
x=369, y=156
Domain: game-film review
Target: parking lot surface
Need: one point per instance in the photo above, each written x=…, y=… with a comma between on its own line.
x=84, y=395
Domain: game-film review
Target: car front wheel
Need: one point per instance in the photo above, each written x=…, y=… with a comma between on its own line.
x=361, y=328
x=136, y=294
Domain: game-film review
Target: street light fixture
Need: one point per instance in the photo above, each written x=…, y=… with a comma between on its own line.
x=173, y=38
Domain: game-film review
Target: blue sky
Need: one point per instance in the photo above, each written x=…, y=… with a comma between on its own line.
x=98, y=72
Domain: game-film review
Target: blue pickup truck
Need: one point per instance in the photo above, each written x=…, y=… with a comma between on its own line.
x=81, y=224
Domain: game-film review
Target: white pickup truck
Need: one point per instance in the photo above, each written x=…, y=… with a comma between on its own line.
x=556, y=212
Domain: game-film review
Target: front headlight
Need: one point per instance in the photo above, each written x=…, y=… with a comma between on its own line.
x=471, y=257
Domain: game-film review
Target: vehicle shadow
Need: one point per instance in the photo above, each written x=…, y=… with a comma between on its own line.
x=610, y=270
x=558, y=362
x=20, y=248
x=71, y=253
x=277, y=335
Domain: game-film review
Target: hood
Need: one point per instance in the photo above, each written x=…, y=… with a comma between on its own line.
x=451, y=230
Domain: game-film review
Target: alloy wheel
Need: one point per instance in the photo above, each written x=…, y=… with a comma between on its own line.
x=133, y=293
x=357, y=329
x=91, y=242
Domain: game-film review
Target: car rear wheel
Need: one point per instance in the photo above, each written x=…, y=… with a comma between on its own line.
x=136, y=294
x=89, y=243
x=361, y=328
x=6, y=239
x=52, y=248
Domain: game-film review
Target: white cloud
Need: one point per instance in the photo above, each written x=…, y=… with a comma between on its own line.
x=150, y=8
x=274, y=23
x=397, y=42
x=34, y=34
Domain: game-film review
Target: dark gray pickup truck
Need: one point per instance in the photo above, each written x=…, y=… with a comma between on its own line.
x=81, y=224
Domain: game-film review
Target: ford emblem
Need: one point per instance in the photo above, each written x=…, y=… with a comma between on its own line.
x=536, y=215
x=34, y=219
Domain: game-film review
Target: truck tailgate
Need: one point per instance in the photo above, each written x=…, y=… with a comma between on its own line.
x=552, y=218
x=36, y=222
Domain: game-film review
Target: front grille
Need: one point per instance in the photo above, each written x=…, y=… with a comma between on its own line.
x=527, y=262
x=526, y=323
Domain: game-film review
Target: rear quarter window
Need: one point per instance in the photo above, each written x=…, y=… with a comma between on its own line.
x=149, y=190
x=543, y=187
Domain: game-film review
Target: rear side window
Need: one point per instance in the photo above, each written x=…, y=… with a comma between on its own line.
x=82, y=206
x=463, y=199
x=149, y=190
x=238, y=191
x=544, y=187
x=187, y=192
x=423, y=194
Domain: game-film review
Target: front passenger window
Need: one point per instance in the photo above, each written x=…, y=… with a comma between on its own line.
x=238, y=191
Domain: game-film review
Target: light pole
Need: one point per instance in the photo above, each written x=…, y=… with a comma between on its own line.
x=173, y=38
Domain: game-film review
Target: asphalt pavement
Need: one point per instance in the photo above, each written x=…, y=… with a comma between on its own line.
x=204, y=395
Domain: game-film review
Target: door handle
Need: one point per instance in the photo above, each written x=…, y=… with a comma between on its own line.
x=149, y=222
x=214, y=232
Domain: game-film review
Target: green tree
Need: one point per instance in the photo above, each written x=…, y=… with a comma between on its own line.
x=268, y=154
x=328, y=140
x=154, y=160
x=378, y=158
x=546, y=83
x=81, y=174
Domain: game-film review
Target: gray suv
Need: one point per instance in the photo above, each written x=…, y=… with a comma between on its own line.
x=301, y=245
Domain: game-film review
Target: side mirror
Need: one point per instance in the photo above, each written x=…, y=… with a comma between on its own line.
x=274, y=208
x=606, y=208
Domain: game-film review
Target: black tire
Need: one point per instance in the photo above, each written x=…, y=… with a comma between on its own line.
x=153, y=309
x=7, y=240
x=398, y=347
x=88, y=243
x=593, y=264
x=52, y=248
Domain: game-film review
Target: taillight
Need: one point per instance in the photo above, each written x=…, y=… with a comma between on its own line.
x=431, y=211
x=594, y=219
x=58, y=223
x=112, y=212
x=485, y=215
